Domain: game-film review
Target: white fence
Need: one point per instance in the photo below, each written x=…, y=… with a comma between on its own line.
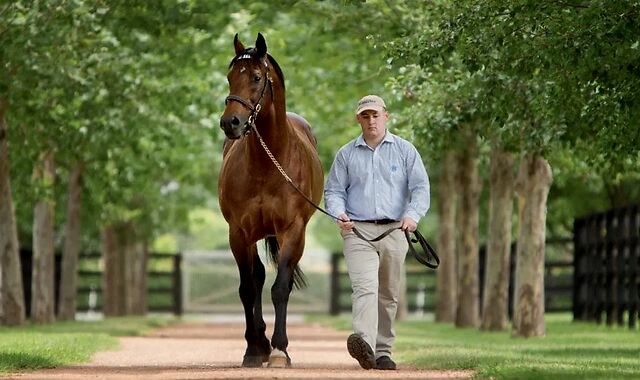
x=211, y=281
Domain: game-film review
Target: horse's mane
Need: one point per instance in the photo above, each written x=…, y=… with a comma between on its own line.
x=254, y=54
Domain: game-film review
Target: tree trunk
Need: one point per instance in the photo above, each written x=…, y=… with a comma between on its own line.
x=125, y=271
x=68, y=277
x=496, y=284
x=11, y=289
x=137, y=262
x=42, y=285
x=446, y=273
x=140, y=279
x=126, y=247
x=467, y=312
x=112, y=284
x=129, y=249
x=534, y=181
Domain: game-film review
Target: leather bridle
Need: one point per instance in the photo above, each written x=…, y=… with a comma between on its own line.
x=247, y=103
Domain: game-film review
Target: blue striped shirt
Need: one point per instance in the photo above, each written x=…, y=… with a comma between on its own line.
x=389, y=181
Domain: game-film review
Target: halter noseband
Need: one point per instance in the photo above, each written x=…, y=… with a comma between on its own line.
x=254, y=109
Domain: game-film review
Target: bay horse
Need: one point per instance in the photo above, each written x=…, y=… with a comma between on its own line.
x=256, y=200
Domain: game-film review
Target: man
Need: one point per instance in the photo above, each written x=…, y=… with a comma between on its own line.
x=377, y=181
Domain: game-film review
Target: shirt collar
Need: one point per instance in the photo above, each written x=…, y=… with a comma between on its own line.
x=388, y=137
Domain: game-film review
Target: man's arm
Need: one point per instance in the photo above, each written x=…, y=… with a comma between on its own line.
x=418, y=183
x=335, y=190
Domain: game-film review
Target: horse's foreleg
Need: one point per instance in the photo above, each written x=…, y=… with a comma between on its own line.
x=288, y=260
x=248, y=295
x=261, y=327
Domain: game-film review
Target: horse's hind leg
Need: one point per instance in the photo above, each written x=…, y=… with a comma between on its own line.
x=253, y=356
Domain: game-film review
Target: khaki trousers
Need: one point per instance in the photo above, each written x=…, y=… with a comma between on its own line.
x=375, y=271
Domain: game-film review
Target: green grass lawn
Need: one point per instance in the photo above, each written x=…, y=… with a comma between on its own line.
x=45, y=346
x=570, y=350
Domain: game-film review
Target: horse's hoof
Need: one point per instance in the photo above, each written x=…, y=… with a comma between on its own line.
x=279, y=359
x=252, y=361
x=266, y=351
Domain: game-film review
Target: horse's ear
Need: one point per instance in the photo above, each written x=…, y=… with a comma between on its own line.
x=261, y=45
x=238, y=45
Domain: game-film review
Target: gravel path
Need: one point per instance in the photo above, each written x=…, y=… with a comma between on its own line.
x=213, y=350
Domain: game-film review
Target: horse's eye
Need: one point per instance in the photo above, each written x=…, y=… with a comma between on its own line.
x=256, y=78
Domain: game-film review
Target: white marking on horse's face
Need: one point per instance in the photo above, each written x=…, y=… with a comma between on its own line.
x=242, y=69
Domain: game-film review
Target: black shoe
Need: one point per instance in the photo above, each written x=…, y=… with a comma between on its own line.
x=385, y=362
x=361, y=351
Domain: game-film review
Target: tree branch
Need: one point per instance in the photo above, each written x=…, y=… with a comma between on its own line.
x=574, y=5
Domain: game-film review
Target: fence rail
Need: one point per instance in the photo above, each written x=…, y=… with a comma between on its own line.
x=421, y=283
x=164, y=285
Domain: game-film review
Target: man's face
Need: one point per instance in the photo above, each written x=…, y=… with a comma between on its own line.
x=373, y=123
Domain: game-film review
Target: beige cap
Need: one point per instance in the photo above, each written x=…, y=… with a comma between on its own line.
x=371, y=102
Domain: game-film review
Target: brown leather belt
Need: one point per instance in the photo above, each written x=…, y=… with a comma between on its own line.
x=378, y=221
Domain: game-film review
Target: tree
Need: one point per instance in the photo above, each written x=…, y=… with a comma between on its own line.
x=21, y=43
x=444, y=116
x=12, y=307
x=461, y=35
x=71, y=250
x=496, y=280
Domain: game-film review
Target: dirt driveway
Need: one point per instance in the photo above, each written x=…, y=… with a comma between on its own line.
x=214, y=349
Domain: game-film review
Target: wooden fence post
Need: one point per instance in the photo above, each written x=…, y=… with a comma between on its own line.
x=580, y=286
x=177, y=284
x=334, y=306
x=634, y=261
x=611, y=277
x=601, y=265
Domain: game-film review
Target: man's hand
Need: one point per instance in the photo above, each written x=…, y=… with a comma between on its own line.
x=344, y=222
x=408, y=224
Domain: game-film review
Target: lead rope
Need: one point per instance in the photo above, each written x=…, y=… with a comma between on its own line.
x=430, y=258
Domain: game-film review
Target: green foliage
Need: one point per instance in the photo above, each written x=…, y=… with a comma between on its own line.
x=554, y=78
x=134, y=90
x=165, y=243
x=122, y=87
x=551, y=70
x=207, y=230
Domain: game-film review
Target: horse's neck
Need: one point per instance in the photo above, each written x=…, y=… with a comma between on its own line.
x=275, y=130
x=276, y=133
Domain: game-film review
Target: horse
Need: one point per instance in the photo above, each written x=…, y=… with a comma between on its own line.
x=255, y=198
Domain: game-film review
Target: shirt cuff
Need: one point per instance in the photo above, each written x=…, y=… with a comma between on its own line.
x=413, y=215
x=336, y=212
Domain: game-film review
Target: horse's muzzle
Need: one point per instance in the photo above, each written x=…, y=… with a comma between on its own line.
x=233, y=126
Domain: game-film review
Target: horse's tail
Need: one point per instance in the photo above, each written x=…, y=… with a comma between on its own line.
x=299, y=279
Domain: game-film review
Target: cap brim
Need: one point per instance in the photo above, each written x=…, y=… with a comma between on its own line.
x=370, y=108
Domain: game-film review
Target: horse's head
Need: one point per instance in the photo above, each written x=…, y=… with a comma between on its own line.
x=250, y=87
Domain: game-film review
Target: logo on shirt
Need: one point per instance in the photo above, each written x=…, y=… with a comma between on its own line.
x=394, y=168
